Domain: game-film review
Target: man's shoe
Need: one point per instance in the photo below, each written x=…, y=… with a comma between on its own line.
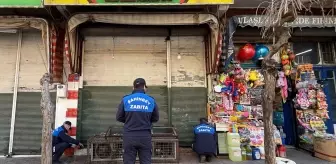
x=202, y=158
x=208, y=158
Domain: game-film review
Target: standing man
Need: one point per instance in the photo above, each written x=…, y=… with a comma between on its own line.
x=138, y=111
x=61, y=141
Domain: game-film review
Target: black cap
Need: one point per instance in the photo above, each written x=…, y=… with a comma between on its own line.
x=68, y=123
x=139, y=82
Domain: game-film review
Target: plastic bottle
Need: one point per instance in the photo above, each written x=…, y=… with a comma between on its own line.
x=248, y=152
x=233, y=139
x=235, y=154
x=243, y=151
x=262, y=152
x=282, y=151
x=256, y=154
x=283, y=136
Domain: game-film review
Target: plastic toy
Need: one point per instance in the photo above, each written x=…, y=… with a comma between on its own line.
x=241, y=88
x=282, y=83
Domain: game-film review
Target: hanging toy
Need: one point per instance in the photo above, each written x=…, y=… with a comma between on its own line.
x=291, y=56
x=238, y=71
x=241, y=88
x=227, y=102
x=302, y=99
x=222, y=78
x=282, y=83
x=229, y=83
x=246, y=53
x=235, y=95
x=260, y=81
x=252, y=77
x=312, y=98
x=286, y=60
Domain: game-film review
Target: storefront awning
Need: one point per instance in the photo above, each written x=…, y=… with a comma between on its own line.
x=300, y=21
x=167, y=19
x=145, y=19
x=19, y=22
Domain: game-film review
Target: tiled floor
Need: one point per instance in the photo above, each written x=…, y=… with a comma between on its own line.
x=189, y=158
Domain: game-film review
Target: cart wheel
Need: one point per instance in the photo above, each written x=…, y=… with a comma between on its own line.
x=202, y=158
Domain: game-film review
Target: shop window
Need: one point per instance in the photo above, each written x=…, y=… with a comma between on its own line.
x=306, y=52
x=327, y=52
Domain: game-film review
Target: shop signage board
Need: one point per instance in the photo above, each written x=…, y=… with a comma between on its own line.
x=300, y=21
x=21, y=3
x=137, y=2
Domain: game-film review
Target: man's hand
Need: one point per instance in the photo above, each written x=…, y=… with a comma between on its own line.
x=81, y=145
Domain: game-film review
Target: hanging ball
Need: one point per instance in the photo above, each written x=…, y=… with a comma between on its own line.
x=260, y=51
x=246, y=53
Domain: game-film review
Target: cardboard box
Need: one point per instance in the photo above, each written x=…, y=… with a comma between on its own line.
x=325, y=149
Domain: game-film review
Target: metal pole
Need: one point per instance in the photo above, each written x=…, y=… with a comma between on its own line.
x=168, y=42
x=16, y=85
x=47, y=43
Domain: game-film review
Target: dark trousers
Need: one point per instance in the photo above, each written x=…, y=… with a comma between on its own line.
x=137, y=145
x=59, y=149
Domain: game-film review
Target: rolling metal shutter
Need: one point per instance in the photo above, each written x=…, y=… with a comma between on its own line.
x=8, y=46
x=189, y=93
x=28, y=118
x=110, y=64
x=28, y=122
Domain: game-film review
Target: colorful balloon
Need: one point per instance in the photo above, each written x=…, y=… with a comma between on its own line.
x=246, y=53
x=260, y=51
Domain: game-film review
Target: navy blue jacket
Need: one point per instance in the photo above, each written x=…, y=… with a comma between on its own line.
x=137, y=111
x=205, y=140
x=59, y=135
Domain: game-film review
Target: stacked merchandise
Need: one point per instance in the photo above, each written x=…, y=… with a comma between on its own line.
x=311, y=107
x=237, y=103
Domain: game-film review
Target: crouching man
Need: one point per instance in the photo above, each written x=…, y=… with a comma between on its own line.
x=205, y=144
x=61, y=141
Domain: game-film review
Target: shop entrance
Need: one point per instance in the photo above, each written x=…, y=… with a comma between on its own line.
x=112, y=60
x=328, y=75
x=110, y=64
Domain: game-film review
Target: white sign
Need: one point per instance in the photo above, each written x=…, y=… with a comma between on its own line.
x=300, y=21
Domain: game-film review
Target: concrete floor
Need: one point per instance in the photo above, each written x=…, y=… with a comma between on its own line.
x=187, y=158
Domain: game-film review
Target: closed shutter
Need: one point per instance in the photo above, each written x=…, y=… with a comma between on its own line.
x=28, y=122
x=8, y=50
x=188, y=84
x=110, y=64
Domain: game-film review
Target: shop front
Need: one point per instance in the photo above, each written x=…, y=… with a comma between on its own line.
x=170, y=51
x=315, y=32
x=302, y=112
x=24, y=46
